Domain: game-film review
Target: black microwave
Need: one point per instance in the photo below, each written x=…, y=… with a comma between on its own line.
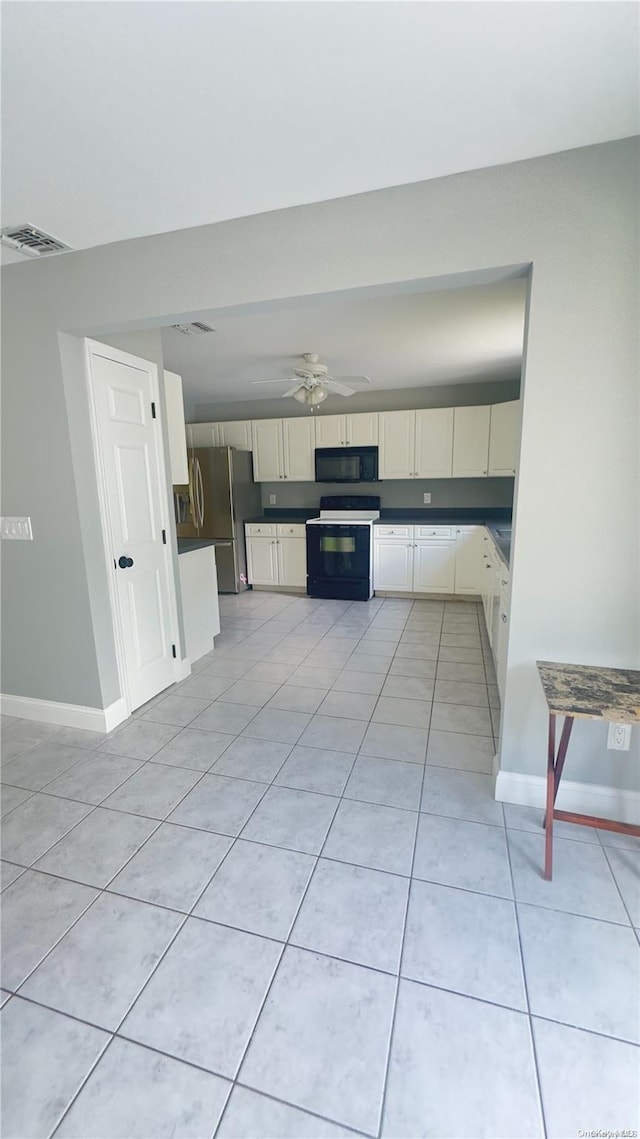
x=346, y=464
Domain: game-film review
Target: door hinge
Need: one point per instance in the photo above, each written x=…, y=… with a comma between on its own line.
x=173, y=651
x=164, y=537
x=153, y=410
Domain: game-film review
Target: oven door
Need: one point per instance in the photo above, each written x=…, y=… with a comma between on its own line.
x=338, y=560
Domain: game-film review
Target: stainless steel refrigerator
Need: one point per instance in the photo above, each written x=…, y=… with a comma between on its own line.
x=220, y=495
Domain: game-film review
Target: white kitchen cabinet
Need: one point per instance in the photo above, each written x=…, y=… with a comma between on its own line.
x=268, y=465
x=262, y=561
x=362, y=429
x=469, y=560
x=501, y=641
x=396, y=441
x=433, y=443
x=283, y=449
x=298, y=445
x=236, y=433
x=392, y=565
x=434, y=565
x=203, y=435
x=503, y=438
x=359, y=430
x=292, y=562
x=176, y=429
x=331, y=430
x=199, y=592
x=471, y=441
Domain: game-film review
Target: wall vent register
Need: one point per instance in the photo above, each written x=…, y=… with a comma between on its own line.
x=32, y=241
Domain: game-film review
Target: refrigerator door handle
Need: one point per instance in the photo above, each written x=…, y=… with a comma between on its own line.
x=192, y=493
x=200, y=494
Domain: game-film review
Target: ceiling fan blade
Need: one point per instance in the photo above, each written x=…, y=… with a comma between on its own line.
x=342, y=389
x=284, y=380
x=354, y=379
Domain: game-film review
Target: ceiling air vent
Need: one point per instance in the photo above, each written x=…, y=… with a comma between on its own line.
x=34, y=242
x=194, y=329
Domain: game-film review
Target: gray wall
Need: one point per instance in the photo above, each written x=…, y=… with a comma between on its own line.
x=444, y=395
x=573, y=216
x=397, y=492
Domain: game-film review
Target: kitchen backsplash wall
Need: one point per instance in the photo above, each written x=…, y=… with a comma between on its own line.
x=401, y=493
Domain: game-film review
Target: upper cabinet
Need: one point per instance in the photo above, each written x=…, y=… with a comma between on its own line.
x=416, y=444
x=347, y=430
x=235, y=434
x=433, y=443
x=176, y=428
x=503, y=438
x=471, y=441
x=298, y=446
x=396, y=441
x=283, y=449
x=203, y=435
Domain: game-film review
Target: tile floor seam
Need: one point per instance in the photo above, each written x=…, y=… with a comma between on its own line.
x=620, y=894
x=525, y=980
x=92, y=1069
x=385, y=1081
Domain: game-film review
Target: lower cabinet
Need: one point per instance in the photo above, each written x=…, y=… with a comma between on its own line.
x=278, y=557
x=402, y=565
x=469, y=560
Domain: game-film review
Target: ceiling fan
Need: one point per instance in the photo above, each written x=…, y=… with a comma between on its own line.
x=312, y=382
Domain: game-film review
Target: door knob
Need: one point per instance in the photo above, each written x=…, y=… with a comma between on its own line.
x=124, y=562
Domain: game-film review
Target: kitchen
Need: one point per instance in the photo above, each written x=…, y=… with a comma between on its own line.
x=428, y=487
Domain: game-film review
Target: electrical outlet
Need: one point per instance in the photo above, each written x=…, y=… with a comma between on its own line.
x=19, y=528
x=272, y=500
x=619, y=737
x=426, y=498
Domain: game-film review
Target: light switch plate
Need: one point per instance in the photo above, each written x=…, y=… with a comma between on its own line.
x=426, y=498
x=272, y=500
x=19, y=528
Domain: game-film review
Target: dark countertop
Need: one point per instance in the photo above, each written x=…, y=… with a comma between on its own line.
x=188, y=545
x=497, y=520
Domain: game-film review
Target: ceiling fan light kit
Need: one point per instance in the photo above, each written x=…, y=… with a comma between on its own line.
x=312, y=383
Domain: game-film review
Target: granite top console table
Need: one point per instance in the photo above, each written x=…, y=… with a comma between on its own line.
x=578, y=691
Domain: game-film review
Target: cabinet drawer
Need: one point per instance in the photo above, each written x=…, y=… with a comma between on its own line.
x=264, y=529
x=393, y=532
x=291, y=530
x=435, y=532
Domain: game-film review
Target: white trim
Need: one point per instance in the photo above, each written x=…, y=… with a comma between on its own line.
x=183, y=669
x=583, y=798
x=66, y=715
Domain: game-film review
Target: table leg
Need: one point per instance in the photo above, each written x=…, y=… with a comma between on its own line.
x=551, y=786
x=555, y=765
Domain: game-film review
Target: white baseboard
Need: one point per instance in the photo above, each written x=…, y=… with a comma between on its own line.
x=66, y=715
x=583, y=798
x=183, y=668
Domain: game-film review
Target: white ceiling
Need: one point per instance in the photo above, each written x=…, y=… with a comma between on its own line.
x=399, y=341
x=125, y=119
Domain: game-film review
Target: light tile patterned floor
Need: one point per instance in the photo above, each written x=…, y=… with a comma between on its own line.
x=281, y=903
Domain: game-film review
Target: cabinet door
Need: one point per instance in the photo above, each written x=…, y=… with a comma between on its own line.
x=362, y=429
x=434, y=566
x=298, y=439
x=503, y=438
x=331, y=431
x=236, y=434
x=471, y=441
x=267, y=450
x=262, y=561
x=176, y=429
x=396, y=441
x=202, y=435
x=292, y=562
x=469, y=561
x=434, y=443
x=392, y=565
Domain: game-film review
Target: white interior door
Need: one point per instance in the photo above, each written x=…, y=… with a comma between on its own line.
x=130, y=458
